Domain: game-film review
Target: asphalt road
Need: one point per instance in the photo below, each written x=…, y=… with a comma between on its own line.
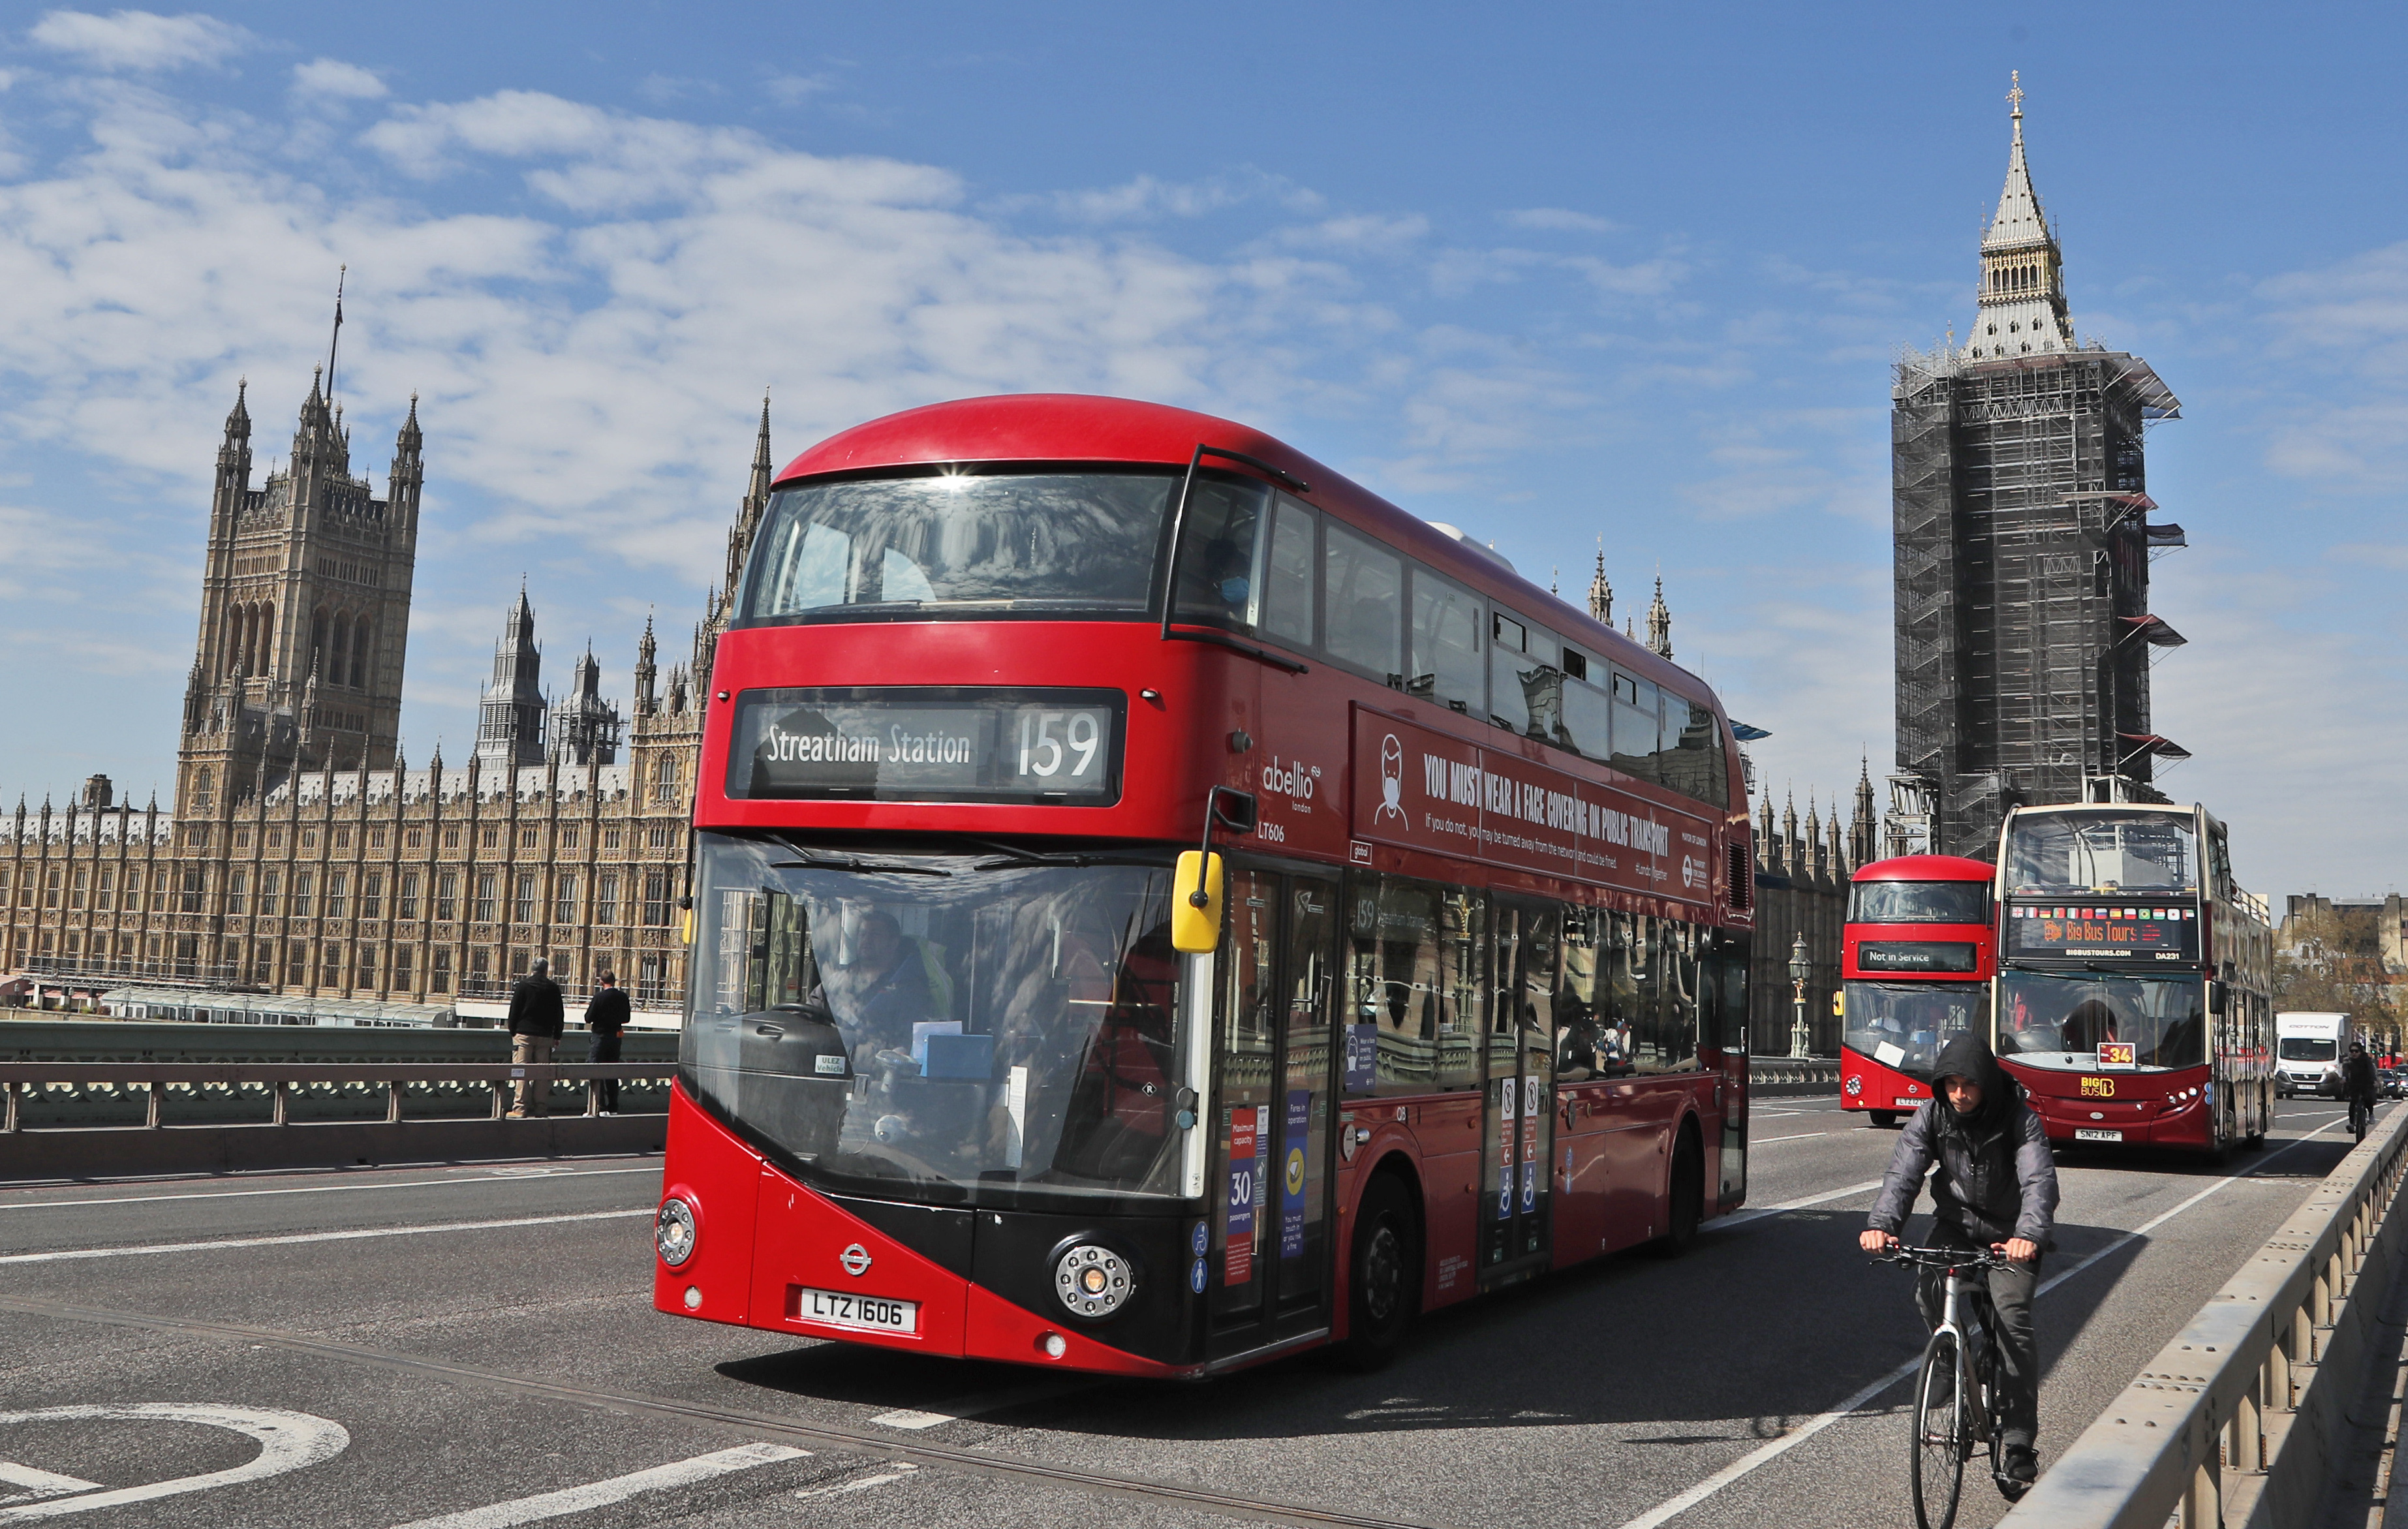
x=474, y=1347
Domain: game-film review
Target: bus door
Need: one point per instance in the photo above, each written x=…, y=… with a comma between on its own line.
x=1267, y=1273
x=1519, y=1144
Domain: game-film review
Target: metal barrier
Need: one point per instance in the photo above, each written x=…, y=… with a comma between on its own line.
x=316, y=1113
x=2235, y=1421
x=1784, y=1069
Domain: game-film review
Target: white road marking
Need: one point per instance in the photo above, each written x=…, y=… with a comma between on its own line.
x=1762, y=1141
x=288, y=1441
x=858, y=1483
x=618, y=1489
x=1743, y=1218
x=42, y=1483
x=915, y=1419
x=323, y=1189
x=1672, y=1507
x=70, y=1254
x=907, y=1417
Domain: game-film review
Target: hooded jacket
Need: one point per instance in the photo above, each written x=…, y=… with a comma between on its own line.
x=1995, y=1179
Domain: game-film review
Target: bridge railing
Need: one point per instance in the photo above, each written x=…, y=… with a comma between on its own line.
x=205, y=1094
x=2236, y=1420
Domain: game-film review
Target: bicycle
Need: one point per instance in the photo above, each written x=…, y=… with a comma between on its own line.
x=2362, y=1115
x=1956, y=1400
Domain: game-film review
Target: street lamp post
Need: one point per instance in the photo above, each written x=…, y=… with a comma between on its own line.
x=1800, y=970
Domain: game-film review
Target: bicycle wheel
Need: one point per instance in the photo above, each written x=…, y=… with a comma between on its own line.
x=1936, y=1465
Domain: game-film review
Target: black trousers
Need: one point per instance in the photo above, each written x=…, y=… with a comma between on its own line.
x=2011, y=1297
x=606, y=1048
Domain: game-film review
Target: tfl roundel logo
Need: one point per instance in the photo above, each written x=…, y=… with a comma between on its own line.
x=855, y=1260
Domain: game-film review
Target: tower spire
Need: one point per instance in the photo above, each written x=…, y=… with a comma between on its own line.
x=2022, y=308
x=1659, y=623
x=341, y=273
x=1600, y=593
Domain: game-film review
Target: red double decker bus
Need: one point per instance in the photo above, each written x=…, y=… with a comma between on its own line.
x=997, y=1048
x=2134, y=994
x=1916, y=958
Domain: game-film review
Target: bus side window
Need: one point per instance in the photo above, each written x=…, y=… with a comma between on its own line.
x=1634, y=726
x=1692, y=753
x=1670, y=1043
x=1362, y=597
x=1445, y=658
x=1218, y=556
x=1288, y=575
x=1584, y=725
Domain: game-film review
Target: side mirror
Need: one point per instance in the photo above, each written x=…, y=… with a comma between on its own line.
x=2215, y=997
x=1196, y=902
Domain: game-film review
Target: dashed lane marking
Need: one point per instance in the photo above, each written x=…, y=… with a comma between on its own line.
x=69, y=1254
x=288, y=1441
x=326, y=1188
x=1766, y=1141
x=1673, y=1508
x=618, y=1489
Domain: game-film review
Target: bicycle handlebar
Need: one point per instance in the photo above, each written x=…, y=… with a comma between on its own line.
x=1945, y=1258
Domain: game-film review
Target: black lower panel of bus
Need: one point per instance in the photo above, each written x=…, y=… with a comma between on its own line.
x=1013, y=1255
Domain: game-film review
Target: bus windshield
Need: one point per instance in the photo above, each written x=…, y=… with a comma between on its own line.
x=2070, y=1015
x=1919, y=902
x=1903, y=1026
x=974, y=1029
x=2050, y=852
x=960, y=544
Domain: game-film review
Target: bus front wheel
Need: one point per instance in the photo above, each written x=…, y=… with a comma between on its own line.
x=1884, y=1119
x=1384, y=1284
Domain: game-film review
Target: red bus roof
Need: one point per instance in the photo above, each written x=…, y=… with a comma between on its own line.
x=1082, y=427
x=1926, y=868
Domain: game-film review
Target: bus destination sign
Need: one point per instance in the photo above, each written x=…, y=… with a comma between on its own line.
x=1915, y=955
x=927, y=744
x=2102, y=931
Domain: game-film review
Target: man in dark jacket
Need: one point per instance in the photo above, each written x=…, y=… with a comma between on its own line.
x=1997, y=1189
x=2357, y=1081
x=535, y=1022
x=606, y=1015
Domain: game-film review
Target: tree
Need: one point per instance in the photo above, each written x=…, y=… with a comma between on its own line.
x=2330, y=960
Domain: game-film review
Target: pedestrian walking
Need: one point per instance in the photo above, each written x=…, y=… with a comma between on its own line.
x=606, y=1015
x=535, y=1022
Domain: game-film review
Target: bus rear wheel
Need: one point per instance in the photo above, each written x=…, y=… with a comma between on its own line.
x=1688, y=1198
x=1383, y=1287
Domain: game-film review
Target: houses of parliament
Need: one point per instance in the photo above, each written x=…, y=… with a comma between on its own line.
x=305, y=866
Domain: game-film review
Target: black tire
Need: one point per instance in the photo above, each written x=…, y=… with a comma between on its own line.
x=1884, y=1119
x=1942, y=1436
x=1687, y=1207
x=1384, y=1279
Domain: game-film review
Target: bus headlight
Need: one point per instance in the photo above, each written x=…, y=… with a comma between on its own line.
x=1094, y=1281
x=673, y=1232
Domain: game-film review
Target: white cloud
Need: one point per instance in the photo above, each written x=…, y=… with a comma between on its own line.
x=1559, y=220
x=332, y=79
x=140, y=39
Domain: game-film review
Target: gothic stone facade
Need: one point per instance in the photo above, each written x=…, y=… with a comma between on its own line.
x=304, y=856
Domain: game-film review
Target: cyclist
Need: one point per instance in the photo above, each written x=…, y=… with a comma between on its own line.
x=1995, y=1189
x=2357, y=1087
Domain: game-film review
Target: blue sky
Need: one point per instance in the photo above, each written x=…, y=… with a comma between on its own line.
x=1549, y=273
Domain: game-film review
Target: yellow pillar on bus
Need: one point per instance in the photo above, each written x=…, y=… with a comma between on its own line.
x=1194, y=929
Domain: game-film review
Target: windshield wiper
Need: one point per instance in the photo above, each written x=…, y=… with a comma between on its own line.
x=856, y=865
x=1013, y=854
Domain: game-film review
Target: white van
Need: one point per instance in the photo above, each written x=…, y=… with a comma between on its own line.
x=2307, y=1054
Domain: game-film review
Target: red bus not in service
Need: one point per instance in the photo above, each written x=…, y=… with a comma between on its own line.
x=2134, y=994
x=1917, y=954
x=1450, y=989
